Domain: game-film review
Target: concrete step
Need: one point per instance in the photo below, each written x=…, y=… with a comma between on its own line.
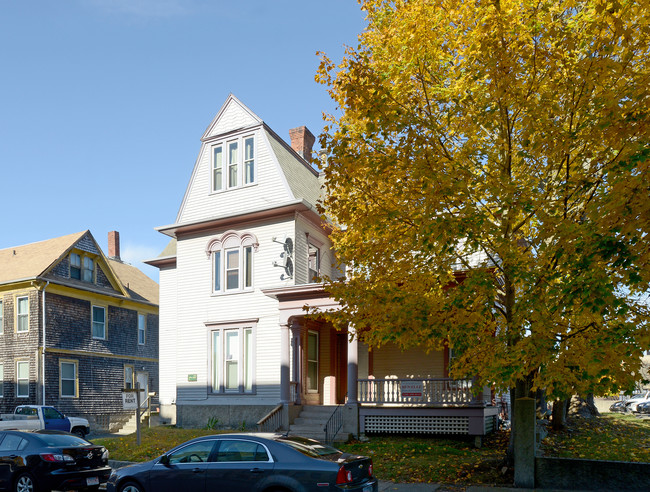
x=311, y=422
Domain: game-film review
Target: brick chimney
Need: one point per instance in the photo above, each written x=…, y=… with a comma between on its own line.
x=302, y=141
x=114, y=245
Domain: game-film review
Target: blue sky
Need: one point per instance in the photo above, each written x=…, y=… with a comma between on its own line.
x=103, y=102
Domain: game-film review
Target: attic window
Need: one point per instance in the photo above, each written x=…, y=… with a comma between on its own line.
x=233, y=163
x=82, y=268
x=75, y=266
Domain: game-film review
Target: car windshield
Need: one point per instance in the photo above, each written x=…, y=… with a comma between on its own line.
x=62, y=440
x=309, y=447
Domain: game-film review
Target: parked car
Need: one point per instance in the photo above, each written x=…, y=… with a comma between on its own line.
x=35, y=417
x=643, y=407
x=50, y=460
x=617, y=406
x=634, y=400
x=248, y=463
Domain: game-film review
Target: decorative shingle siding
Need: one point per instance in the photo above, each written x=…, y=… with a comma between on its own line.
x=87, y=244
x=16, y=347
x=62, y=269
x=101, y=380
x=100, y=278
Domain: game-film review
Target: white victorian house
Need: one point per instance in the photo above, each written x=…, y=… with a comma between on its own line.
x=246, y=249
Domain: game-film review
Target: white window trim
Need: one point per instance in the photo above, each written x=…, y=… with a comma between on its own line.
x=18, y=362
x=144, y=328
x=228, y=241
x=18, y=314
x=2, y=318
x=75, y=363
x=218, y=387
x=92, y=322
x=240, y=164
x=310, y=332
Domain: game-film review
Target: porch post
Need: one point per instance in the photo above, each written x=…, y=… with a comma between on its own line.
x=284, y=374
x=353, y=366
x=296, y=329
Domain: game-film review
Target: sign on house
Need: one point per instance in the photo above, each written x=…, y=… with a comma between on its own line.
x=411, y=388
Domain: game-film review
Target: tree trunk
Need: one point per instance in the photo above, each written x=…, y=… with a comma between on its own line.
x=559, y=414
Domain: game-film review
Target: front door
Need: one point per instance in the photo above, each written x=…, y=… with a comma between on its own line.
x=341, y=367
x=142, y=378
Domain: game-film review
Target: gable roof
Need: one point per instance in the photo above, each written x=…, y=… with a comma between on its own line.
x=35, y=259
x=139, y=286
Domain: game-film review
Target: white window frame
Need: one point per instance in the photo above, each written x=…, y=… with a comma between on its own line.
x=2, y=322
x=142, y=329
x=313, y=361
x=19, y=379
x=313, y=248
x=75, y=380
x=20, y=315
x=234, y=167
x=245, y=244
x=92, y=322
x=245, y=359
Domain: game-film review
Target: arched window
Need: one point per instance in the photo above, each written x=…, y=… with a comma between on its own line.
x=232, y=261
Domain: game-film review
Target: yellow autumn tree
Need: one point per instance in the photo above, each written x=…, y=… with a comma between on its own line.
x=488, y=178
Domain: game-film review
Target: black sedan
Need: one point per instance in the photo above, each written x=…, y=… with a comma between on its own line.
x=248, y=462
x=50, y=460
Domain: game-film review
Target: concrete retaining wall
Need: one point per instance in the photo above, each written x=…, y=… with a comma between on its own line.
x=575, y=474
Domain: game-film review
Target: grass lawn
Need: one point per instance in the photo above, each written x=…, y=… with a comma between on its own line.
x=615, y=437
x=438, y=459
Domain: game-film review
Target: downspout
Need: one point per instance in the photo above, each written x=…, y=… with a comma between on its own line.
x=43, y=355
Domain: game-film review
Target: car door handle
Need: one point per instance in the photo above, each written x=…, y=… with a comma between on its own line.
x=257, y=470
x=198, y=470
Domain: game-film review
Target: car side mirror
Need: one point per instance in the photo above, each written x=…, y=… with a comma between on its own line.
x=164, y=460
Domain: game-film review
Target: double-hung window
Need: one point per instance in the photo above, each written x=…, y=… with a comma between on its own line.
x=99, y=322
x=82, y=268
x=75, y=266
x=88, y=272
x=312, y=361
x=2, y=324
x=22, y=379
x=22, y=314
x=142, y=325
x=68, y=378
x=2, y=380
x=233, y=163
x=232, y=262
x=232, y=359
x=313, y=262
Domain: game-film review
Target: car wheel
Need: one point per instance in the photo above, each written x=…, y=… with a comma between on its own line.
x=130, y=487
x=77, y=431
x=25, y=483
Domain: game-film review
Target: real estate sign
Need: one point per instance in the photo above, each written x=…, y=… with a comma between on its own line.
x=411, y=388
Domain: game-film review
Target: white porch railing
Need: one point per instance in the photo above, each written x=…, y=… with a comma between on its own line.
x=419, y=392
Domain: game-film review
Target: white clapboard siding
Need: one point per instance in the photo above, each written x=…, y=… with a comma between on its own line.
x=167, y=336
x=197, y=306
x=232, y=115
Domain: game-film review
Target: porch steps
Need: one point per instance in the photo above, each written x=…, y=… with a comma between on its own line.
x=311, y=422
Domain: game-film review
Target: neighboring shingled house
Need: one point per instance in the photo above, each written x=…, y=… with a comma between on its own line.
x=98, y=336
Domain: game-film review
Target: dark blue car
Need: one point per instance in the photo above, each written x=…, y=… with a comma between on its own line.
x=250, y=463
x=50, y=460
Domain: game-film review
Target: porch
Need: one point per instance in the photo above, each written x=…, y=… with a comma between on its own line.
x=372, y=391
